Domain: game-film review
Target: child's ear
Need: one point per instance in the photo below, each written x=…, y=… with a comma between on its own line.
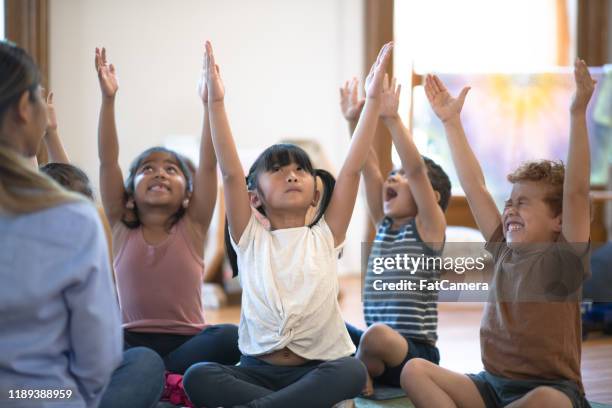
x=185, y=202
x=129, y=204
x=315, y=199
x=254, y=199
x=438, y=196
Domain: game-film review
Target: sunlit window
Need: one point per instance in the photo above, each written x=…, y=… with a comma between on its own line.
x=483, y=35
x=2, y=34
x=516, y=56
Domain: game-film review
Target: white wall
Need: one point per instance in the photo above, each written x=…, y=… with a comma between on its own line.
x=282, y=62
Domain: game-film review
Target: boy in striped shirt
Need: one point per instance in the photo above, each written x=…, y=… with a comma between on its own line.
x=408, y=211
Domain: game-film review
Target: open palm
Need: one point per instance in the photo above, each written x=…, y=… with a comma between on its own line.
x=443, y=104
x=350, y=102
x=202, y=88
x=216, y=90
x=585, y=85
x=51, y=116
x=106, y=74
x=390, y=98
x=374, y=80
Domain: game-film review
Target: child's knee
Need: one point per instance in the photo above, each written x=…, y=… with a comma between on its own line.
x=352, y=371
x=547, y=397
x=414, y=369
x=375, y=338
x=229, y=332
x=201, y=375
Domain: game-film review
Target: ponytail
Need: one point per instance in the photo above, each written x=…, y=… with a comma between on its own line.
x=329, y=182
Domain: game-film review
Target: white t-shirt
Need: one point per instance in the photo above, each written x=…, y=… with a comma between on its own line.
x=290, y=292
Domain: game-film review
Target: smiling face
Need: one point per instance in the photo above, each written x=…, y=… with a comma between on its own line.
x=285, y=188
x=398, y=201
x=527, y=217
x=159, y=182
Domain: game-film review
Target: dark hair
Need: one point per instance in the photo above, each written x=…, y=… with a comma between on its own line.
x=18, y=74
x=282, y=154
x=70, y=177
x=439, y=181
x=129, y=183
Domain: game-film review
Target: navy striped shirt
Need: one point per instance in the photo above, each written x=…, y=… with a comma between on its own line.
x=412, y=313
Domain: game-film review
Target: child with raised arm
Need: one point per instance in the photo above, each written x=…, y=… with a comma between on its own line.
x=159, y=219
x=408, y=211
x=530, y=334
x=296, y=350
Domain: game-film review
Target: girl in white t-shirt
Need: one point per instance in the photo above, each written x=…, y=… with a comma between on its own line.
x=296, y=350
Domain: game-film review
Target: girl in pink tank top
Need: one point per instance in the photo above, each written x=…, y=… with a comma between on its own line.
x=159, y=218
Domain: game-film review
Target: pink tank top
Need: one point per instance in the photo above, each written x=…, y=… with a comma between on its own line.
x=160, y=286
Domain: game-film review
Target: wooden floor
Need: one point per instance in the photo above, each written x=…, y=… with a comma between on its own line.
x=458, y=339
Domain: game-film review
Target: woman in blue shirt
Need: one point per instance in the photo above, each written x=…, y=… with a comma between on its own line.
x=60, y=336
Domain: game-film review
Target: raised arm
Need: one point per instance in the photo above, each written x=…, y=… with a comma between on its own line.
x=430, y=218
x=111, y=178
x=340, y=210
x=234, y=186
x=53, y=143
x=575, y=220
x=204, y=195
x=448, y=109
x=351, y=106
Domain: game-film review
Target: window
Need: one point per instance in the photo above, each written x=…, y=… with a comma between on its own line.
x=2, y=34
x=515, y=56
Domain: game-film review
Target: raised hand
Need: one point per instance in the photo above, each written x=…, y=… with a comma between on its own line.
x=374, y=80
x=389, y=98
x=585, y=85
x=202, y=88
x=51, y=117
x=443, y=104
x=216, y=90
x=350, y=102
x=106, y=74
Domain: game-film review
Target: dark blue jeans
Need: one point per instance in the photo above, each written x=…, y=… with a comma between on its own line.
x=255, y=383
x=137, y=383
x=217, y=343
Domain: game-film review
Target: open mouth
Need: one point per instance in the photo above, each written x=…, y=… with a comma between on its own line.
x=159, y=188
x=513, y=226
x=390, y=194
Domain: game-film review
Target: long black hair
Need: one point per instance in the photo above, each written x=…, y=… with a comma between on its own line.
x=282, y=155
x=134, y=221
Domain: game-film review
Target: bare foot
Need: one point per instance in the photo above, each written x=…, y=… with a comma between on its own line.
x=368, y=389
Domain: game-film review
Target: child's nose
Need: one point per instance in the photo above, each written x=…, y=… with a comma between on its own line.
x=291, y=176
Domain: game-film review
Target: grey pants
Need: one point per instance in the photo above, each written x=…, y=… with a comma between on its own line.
x=255, y=383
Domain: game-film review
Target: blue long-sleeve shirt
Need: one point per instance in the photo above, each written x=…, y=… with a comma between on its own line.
x=59, y=320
